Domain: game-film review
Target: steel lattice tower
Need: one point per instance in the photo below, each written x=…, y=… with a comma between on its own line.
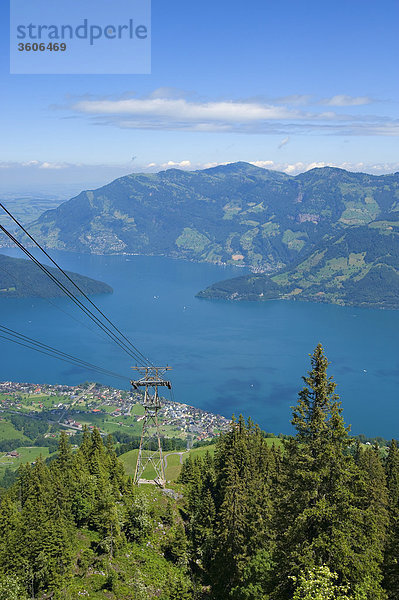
x=150, y=450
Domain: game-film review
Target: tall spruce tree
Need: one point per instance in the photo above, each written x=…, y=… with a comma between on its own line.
x=243, y=506
x=320, y=519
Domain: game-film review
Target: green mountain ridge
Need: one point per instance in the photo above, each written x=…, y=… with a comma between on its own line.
x=359, y=267
x=231, y=214
x=313, y=234
x=21, y=278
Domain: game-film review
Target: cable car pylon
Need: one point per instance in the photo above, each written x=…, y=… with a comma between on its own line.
x=150, y=450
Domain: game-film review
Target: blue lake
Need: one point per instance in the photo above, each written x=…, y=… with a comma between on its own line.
x=227, y=357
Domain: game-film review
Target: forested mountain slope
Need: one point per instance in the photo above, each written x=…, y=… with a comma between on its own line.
x=358, y=267
x=236, y=213
x=21, y=278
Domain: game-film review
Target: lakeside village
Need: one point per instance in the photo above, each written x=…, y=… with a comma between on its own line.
x=109, y=409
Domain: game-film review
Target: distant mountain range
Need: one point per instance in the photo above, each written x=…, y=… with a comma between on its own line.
x=330, y=234
x=21, y=278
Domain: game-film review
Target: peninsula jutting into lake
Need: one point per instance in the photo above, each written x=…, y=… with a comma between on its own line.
x=19, y=278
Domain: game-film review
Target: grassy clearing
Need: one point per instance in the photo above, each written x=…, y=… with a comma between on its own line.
x=129, y=460
x=96, y=419
x=191, y=239
x=126, y=420
x=137, y=409
x=171, y=431
x=194, y=452
x=174, y=467
x=293, y=239
x=174, y=464
x=8, y=432
x=108, y=408
x=26, y=454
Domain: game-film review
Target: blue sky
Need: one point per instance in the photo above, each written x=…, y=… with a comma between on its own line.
x=286, y=85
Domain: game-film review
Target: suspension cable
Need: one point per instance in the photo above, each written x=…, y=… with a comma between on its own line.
x=32, y=344
x=134, y=348
x=76, y=301
x=85, y=325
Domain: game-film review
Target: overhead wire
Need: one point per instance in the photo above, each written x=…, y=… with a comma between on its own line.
x=85, y=325
x=32, y=344
x=76, y=301
x=143, y=359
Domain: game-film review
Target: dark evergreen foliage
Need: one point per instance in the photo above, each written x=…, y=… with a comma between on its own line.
x=308, y=522
x=391, y=563
x=41, y=514
x=313, y=518
x=21, y=278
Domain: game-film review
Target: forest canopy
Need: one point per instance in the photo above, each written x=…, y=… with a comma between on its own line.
x=314, y=517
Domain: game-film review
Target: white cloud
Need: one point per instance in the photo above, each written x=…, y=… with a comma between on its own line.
x=210, y=165
x=284, y=167
x=264, y=164
x=118, y=170
x=48, y=165
x=283, y=142
x=289, y=169
x=318, y=165
x=166, y=109
x=183, y=110
x=33, y=164
x=28, y=176
x=343, y=100
x=302, y=167
x=183, y=164
x=294, y=169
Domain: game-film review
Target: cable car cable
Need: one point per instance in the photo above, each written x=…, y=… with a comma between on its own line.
x=85, y=309
x=23, y=340
x=146, y=360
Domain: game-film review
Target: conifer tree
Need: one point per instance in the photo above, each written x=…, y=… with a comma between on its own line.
x=115, y=468
x=391, y=559
x=321, y=515
x=96, y=442
x=370, y=514
x=45, y=540
x=10, y=524
x=64, y=457
x=61, y=475
x=83, y=488
x=85, y=446
x=243, y=508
